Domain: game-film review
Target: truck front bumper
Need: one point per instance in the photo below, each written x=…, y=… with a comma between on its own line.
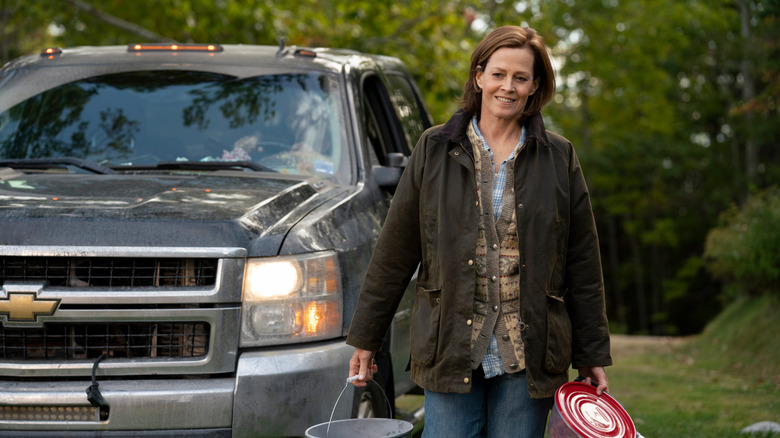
x=275, y=392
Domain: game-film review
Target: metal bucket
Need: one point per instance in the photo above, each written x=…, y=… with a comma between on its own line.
x=362, y=427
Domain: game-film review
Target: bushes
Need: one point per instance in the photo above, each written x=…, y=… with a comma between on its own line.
x=744, y=252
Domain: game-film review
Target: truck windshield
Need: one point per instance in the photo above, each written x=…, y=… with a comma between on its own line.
x=288, y=123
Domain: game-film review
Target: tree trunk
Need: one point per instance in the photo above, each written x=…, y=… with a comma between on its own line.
x=3, y=36
x=748, y=94
x=639, y=284
x=614, y=268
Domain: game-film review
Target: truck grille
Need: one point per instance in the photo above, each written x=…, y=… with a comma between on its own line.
x=81, y=341
x=18, y=413
x=106, y=272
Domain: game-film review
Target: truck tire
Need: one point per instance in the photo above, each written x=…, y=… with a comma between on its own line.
x=370, y=401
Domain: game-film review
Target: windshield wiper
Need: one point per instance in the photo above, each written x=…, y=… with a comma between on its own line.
x=200, y=165
x=49, y=163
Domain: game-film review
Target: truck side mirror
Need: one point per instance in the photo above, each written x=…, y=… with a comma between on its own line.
x=388, y=176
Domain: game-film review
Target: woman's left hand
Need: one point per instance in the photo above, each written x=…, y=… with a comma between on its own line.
x=362, y=365
x=599, y=375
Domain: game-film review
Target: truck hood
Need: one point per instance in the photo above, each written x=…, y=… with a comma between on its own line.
x=232, y=208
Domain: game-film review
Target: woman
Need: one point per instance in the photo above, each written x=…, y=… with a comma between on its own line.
x=495, y=211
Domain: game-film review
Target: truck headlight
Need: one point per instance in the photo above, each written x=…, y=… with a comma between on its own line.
x=291, y=299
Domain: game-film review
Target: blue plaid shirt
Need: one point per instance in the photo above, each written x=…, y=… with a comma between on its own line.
x=491, y=363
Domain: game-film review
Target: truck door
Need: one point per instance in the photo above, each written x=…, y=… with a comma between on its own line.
x=395, y=119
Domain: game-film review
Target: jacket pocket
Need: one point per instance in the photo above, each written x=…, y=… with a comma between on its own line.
x=426, y=314
x=557, y=357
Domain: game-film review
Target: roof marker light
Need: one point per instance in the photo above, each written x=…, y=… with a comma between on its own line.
x=50, y=51
x=306, y=53
x=174, y=48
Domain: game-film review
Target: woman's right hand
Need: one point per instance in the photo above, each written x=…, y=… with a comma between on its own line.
x=362, y=365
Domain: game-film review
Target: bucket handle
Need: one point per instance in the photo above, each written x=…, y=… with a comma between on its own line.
x=346, y=385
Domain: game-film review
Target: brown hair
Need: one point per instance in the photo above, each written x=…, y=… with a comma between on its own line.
x=512, y=37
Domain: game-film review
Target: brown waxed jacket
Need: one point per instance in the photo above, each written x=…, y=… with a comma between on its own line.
x=432, y=223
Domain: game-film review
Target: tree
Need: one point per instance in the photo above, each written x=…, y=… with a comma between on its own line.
x=663, y=117
x=744, y=250
x=675, y=118
x=418, y=31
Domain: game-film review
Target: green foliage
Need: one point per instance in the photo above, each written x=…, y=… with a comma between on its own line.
x=745, y=250
x=674, y=118
x=432, y=38
x=655, y=110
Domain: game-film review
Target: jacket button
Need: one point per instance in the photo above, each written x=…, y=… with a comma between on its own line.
x=513, y=366
x=457, y=153
x=505, y=337
x=520, y=205
x=495, y=308
x=471, y=262
x=477, y=203
x=495, y=246
x=466, y=380
x=469, y=322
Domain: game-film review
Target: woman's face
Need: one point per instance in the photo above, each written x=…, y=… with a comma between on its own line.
x=506, y=82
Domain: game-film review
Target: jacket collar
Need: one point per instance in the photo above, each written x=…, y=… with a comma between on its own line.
x=455, y=129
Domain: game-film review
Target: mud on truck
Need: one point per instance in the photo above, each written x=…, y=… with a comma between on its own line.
x=184, y=230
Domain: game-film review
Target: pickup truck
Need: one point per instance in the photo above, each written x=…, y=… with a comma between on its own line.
x=184, y=230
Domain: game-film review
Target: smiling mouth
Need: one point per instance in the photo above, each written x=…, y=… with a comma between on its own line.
x=504, y=99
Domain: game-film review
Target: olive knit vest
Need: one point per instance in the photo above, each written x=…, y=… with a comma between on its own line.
x=497, y=293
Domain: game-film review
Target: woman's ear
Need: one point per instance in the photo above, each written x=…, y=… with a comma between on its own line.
x=534, y=86
x=478, y=77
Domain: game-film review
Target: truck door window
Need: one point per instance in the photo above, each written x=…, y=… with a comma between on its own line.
x=408, y=107
x=382, y=125
x=377, y=148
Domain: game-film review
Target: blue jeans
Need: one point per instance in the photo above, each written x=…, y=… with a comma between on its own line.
x=499, y=407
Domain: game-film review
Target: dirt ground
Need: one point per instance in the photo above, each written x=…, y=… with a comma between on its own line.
x=625, y=345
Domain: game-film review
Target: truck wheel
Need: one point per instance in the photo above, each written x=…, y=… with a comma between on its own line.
x=370, y=402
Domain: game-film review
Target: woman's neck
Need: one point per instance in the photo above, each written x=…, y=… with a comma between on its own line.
x=500, y=133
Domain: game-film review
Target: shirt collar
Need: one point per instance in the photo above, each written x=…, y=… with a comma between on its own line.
x=486, y=146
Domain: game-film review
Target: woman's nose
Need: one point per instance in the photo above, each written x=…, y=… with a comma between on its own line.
x=506, y=84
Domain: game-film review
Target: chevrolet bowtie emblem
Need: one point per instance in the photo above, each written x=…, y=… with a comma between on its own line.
x=26, y=306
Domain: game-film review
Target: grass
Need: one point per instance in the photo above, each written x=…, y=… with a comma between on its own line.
x=706, y=386
x=409, y=403
x=711, y=385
